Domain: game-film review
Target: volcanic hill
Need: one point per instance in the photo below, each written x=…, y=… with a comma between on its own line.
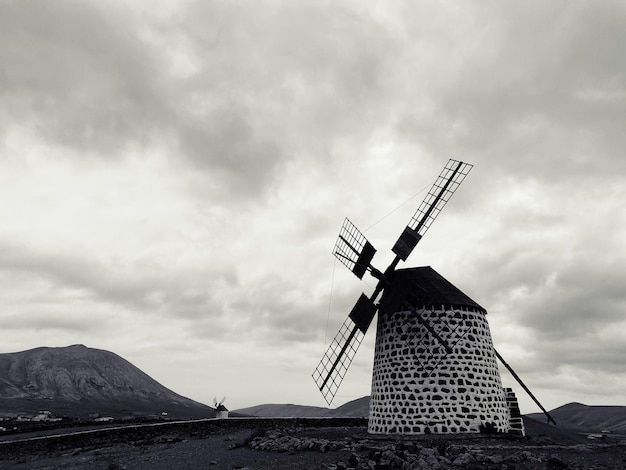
x=79, y=381
x=590, y=418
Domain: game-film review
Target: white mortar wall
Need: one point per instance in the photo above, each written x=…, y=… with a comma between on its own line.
x=417, y=387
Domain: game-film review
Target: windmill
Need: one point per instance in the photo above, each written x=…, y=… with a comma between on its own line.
x=435, y=367
x=220, y=410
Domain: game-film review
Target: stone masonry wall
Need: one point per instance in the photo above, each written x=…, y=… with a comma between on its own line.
x=418, y=387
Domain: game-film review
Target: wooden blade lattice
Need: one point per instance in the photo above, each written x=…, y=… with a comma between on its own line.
x=438, y=196
x=333, y=367
x=353, y=249
x=440, y=193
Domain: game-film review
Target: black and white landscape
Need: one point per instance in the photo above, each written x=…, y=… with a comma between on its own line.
x=80, y=386
x=81, y=382
x=173, y=180
x=173, y=176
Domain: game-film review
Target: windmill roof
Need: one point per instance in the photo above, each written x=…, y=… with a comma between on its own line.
x=424, y=286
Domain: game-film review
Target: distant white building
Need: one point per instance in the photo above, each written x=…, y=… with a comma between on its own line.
x=104, y=419
x=46, y=416
x=43, y=415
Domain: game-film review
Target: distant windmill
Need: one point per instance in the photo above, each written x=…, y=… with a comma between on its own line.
x=435, y=366
x=220, y=410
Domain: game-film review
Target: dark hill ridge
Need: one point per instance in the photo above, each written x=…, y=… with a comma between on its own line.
x=358, y=408
x=272, y=410
x=590, y=418
x=77, y=380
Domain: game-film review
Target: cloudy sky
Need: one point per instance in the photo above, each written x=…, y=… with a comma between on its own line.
x=173, y=179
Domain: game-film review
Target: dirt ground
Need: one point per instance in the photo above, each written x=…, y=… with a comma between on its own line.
x=169, y=452
x=305, y=447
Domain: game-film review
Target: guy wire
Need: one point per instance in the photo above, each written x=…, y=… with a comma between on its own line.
x=330, y=300
x=396, y=208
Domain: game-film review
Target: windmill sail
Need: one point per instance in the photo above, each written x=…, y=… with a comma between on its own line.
x=440, y=193
x=331, y=370
x=353, y=249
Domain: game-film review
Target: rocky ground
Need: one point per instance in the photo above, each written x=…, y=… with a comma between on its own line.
x=278, y=444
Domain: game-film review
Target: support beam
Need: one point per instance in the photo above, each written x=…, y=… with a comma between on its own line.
x=519, y=380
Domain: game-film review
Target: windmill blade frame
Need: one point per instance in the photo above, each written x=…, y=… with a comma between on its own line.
x=353, y=249
x=438, y=196
x=334, y=365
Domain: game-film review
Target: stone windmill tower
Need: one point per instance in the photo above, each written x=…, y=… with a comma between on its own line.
x=435, y=367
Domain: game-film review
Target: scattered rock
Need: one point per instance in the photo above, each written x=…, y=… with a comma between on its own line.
x=464, y=459
x=555, y=463
x=316, y=448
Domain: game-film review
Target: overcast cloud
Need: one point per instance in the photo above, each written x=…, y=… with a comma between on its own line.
x=174, y=179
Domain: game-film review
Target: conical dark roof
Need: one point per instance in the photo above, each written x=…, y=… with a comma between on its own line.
x=424, y=287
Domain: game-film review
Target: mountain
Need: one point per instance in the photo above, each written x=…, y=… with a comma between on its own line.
x=538, y=427
x=270, y=410
x=352, y=409
x=79, y=381
x=589, y=419
x=359, y=408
